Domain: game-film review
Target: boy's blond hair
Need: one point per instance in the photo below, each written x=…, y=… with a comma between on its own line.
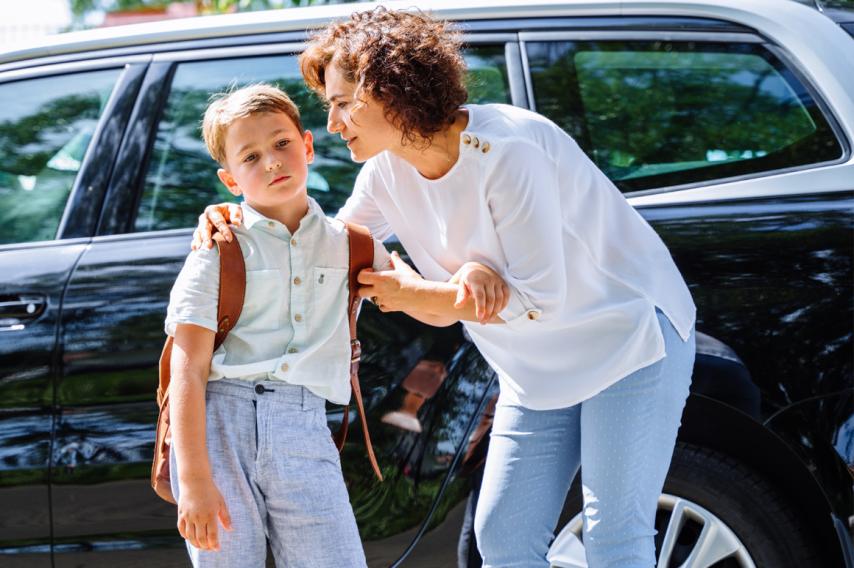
x=227, y=107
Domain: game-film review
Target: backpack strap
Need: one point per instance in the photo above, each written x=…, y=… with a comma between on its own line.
x=361, y=257
x=232, y=286
x=232, y=289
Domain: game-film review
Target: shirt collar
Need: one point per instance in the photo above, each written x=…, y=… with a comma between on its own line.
x=251, y=217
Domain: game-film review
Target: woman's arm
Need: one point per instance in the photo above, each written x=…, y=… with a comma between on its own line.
x=200, y=502
x=434, y=303
x=216, y=218
x=524, y=199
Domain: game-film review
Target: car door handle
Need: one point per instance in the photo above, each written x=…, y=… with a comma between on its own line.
x=15, y=310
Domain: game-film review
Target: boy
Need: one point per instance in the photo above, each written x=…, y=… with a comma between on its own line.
x=251, y=449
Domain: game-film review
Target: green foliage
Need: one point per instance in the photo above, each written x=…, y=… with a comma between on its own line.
x=79, y=8
x=43, y=142
x=645, y=112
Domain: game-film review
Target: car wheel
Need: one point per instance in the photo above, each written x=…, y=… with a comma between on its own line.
x=714, y=511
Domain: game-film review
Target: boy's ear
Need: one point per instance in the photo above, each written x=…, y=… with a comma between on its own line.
x=228, y=181
x=308, y=139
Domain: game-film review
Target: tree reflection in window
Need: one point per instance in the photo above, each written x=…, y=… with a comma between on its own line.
x=655, y=114
x=46, y=125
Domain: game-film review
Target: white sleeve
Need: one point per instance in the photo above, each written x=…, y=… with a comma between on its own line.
x=522, y=192
x=382, y=259
x=195, y=294
x=361, y=207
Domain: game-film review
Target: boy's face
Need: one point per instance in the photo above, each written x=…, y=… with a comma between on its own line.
x=267, y=159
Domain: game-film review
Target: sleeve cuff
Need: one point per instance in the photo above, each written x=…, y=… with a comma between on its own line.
x=519, y=310
x=382, y=259
x=172, y=323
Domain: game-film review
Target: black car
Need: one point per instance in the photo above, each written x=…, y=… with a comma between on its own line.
x=729, y=125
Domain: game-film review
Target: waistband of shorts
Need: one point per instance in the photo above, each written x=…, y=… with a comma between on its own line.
x=270, y=391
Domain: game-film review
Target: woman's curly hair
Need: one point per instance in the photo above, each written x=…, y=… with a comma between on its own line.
x=409, y=62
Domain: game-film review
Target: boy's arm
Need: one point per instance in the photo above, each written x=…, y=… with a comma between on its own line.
x=191, y=355
x=200, y=502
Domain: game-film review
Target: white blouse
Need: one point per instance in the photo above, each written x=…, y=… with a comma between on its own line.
x=585, y=270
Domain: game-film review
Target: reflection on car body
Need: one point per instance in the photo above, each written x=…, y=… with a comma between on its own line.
x=728, y=125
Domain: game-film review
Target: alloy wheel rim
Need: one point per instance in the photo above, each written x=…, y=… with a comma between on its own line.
x=693, y=537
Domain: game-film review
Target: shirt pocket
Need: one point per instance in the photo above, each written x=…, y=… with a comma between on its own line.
x=329, y=294
x=262, y=304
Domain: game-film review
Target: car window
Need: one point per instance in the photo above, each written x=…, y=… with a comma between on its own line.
x=487, y=75
x=656, y=114
x=46, y=125
x=181, y=178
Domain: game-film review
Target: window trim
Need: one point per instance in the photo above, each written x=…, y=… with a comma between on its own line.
x=83, y=207
x=292, y=47
x=783, y=56
x=44, y=71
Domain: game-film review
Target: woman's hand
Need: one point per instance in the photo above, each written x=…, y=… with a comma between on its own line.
x=488, y=289
x=216, y=218
x=200, y=504
x=391, y=290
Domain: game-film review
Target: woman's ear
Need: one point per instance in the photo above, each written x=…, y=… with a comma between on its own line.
x=229, y=182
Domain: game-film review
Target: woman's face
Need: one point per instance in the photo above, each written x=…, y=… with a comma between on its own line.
x=361, y=123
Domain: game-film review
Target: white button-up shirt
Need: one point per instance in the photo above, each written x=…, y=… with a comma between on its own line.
x=585, y=270
x=294, y=321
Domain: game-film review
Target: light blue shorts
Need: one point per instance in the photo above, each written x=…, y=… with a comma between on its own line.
x=277, y=468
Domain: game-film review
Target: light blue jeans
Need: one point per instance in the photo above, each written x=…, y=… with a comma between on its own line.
x=622, y=438
x=274, y=461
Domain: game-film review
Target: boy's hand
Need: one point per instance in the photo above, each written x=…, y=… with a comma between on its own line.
x=216, y=218
x=488, y=289
x=200, y=504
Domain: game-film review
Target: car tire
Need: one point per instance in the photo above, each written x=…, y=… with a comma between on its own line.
x=752, y=507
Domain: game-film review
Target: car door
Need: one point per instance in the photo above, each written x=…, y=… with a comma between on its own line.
x=53, y=126
x=113, y=327
x=733, y=156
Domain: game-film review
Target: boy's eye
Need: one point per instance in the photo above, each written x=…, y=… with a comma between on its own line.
x=249, y=158
x=282, y=143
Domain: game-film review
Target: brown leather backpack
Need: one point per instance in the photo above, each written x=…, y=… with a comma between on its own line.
x=232, y=288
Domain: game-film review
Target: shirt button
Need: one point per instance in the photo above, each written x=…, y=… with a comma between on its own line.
x=298, y=317
x=297, y=281
x=285, y=367
x=292, y=350
x=271, y=224
x=293, y=242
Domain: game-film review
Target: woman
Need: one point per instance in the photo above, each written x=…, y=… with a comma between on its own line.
x=596, y=349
